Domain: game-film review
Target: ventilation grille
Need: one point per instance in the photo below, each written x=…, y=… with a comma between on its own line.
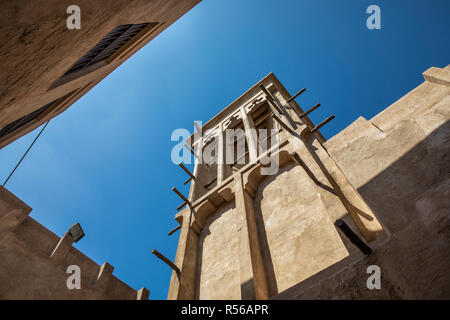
x=112, y=42
x=24, y=120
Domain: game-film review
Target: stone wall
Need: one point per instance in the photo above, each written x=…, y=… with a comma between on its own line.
x=34, y=261
x=218, y=268
x=37, y=49
x=298, y=237
x=400, y=163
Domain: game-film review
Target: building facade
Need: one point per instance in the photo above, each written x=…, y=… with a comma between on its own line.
x=372, y=199
x=46, y=67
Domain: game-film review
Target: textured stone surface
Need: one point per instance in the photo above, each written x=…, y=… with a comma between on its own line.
x=28, y=271
x=37, y=48
x=301, y=238
x=219, y=257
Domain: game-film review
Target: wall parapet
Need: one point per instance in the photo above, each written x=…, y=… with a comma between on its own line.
x=35, y=261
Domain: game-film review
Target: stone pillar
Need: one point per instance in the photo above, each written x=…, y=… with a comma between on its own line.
x=220, y=155
x=193, y=181
x=272, y=125
x=198, y=146
x=196, y=187
x=182, y=285
x=250, y=134
x=252, y=274
x=143, y=294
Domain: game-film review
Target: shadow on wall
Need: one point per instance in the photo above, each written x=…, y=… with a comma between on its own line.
x=297, y=237
x=393, y=192
x=272, y=285
x=411, y=199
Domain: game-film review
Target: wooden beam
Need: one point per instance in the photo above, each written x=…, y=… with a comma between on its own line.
x=281, y=122
x=304, y=114
x=186, y=170
x=270, y=98
x=324, y=122
x=167, y=261
x=174, y=230
x=186, y=182
x=181, y=206
x=181, y=195
x=296, y=95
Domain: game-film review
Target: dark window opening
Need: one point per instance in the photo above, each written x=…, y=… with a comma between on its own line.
x=112, y=42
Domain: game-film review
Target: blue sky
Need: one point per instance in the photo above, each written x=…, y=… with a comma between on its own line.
x=106, y=161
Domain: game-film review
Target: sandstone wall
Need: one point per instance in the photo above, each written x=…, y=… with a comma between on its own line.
x=28, y=271
x=299, y=238
x=400, y=163
x=218, y=264
x=37, y=49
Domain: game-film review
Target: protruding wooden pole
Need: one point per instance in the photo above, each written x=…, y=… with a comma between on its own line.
x=304, y=114
x=352, y=236
x=296, y=95
x=324, y=122
x=173, y=230
x=181, y=206
x=186, y=170
x=270, y=97
x=180, y=195
x=281, y=122
x=264, y=89
x=167, y=261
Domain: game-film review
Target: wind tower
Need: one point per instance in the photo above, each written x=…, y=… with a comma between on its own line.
x=363, y=215
x=266, y=202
